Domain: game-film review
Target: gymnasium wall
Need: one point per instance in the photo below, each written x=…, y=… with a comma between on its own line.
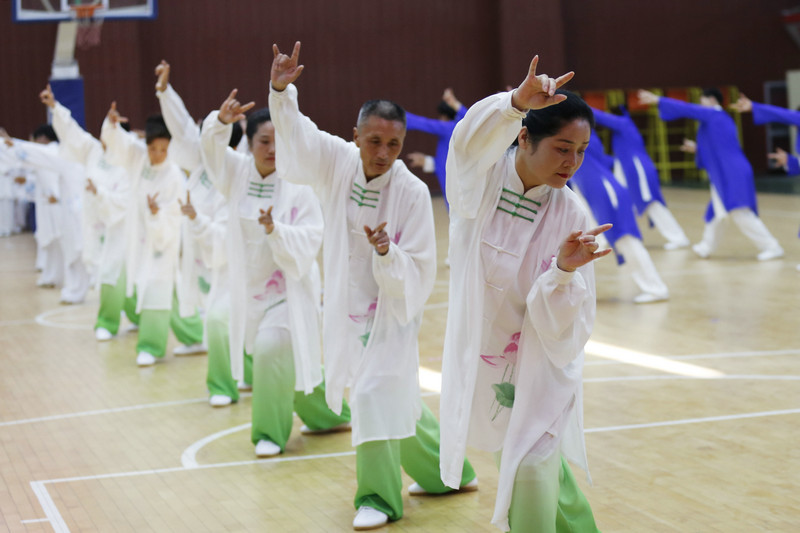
x=408, y=51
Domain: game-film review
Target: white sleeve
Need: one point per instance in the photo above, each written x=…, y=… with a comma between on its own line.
x=295, y=243
x=219, y=160
x=184, y=148
x=479, y=140
x=304, y=154
x=123, y=148
x=73, y=139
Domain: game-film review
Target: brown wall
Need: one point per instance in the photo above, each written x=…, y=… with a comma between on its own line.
x=408, y=51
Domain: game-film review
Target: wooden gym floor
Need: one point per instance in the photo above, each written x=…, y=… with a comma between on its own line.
x=692, y=411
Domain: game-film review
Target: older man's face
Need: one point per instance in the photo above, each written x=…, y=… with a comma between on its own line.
x=380, y=142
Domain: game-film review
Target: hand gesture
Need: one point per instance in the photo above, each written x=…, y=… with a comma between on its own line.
x=266, y=220
x=113, y=115
x=47, y=97
x=6, y=137
x=284, y=68
x=536, y=92
x=581, y=248
x=416, y=159
x=162, y=71
x=647, y=97
x=90, y=186
x=450, y=99
x=378, y=238
x=742, y=105
x=232, y=109
x=20, y=180
x=689, y=146
x=187, y=208
x=151, y=203
x=780, y=158
x=52, y=199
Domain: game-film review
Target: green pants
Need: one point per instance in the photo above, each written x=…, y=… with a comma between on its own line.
x=112, y=302
x=188, y=330
x=378, y=464
x=274, y=395
x=219, y=378
x=546, y=499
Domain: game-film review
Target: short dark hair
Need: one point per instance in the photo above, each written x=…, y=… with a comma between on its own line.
x=385, y=109
x=715, y=93
x=236, y=135
x=255, y=120
x=155, y=128
x=444, y=109
x=548, y=121
x=45, y=130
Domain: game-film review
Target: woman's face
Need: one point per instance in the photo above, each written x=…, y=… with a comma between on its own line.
x=262, y=146
x=553, y=160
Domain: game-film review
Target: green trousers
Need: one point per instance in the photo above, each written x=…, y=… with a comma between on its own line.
x=378, y=465
x=274, y=395
x=154, y=326
x=112, y=302
x=547, y=499
x=219, y=378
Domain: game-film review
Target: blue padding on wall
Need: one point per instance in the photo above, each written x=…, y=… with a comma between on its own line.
x=69, y=93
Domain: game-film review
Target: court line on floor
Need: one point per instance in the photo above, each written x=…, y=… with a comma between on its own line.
x=42, y=318
x=721, y=355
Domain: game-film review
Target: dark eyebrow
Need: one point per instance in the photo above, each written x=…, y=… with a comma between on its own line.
x=568, y=141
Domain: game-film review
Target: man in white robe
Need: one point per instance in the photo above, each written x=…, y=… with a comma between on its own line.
x=379, y=261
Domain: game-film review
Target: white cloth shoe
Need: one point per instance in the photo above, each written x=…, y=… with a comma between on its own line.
x=133, y=327
x=369, y=518
x=190, y=349
x=676, y=245
x=102, y=334
x=701, y=249
x=305, y=430
x=772, y=253
x=219, y=400
x=267, y=448
x=145, y=359
x=416, y=490
x=245, y=387
x=648, y=298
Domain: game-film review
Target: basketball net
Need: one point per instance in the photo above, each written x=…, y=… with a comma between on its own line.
x=89, y=26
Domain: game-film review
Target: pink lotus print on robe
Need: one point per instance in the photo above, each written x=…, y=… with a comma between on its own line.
x=275, y=286
x=504, y=391
x=366, y=319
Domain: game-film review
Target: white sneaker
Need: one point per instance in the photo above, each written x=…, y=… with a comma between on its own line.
x=267, y=448
x=102, y=334
x=219, y=400
x=648, y=298
x=772, y=253
x=702, y=250
x=416, y=490
x=305, y=430
x=145, y=359
x=245, y=387
x=369, y=518
x=133, y=327
x=190, y=349
x=675, y=245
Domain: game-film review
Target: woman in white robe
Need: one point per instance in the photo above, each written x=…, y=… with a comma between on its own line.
x=522, y=301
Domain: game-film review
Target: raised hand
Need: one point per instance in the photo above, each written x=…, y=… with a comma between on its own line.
x=47, y=98
x=266, y=220
x=536, y=92
x=450, y=99
x=742, y=105
x=113, y=115
x=416, y=159
x=581, y=248
x=378, y=238
x=162, y=71
x=90, y=186
x=232, y=109
x=285, y=69
x=6, y=137
x=52, y=199
x=689, y=146
x=647, y=97
x=187, y=208
x=151, y=203
x=780, y=158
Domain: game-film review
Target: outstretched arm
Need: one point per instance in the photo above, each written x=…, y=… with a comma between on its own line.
x=76, y=142
x=184, y=148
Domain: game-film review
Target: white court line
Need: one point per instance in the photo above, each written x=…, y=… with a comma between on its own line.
x=646, y=360
x=16, y=322
x=664, y=377
x=694, y=421
x=42, y=318
x=722, y=355
x=34, y=520
x=189, y=455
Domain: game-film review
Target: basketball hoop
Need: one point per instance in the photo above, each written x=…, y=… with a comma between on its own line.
x=89, y=26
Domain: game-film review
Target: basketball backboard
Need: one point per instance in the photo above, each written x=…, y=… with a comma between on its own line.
x=62, y=10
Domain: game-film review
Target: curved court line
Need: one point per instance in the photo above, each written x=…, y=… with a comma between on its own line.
x=42, y=319
x=188, y=457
